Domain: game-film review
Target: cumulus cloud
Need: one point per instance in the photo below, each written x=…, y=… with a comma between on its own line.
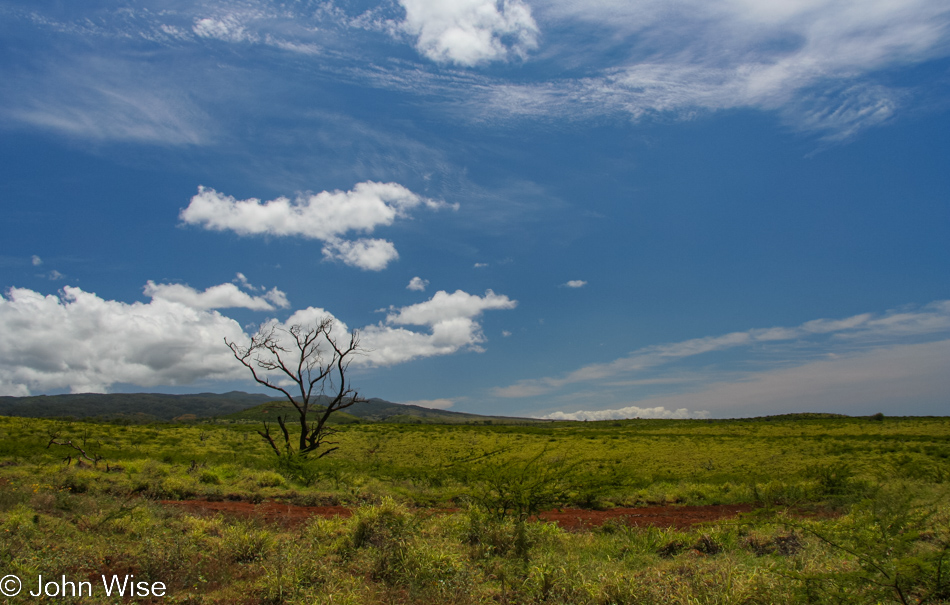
x=326, y=216
x=37, y=261
x=222, y=296
x=368, y=254
x=418, y=284
x=574, y=283
x=469, y=32
x=480, y=265
x=278, y=298
x=451, y=323
x=624, y=413
x=79, y=341
x=444, y=307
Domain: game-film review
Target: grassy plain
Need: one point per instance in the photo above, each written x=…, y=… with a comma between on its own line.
x=878, y=489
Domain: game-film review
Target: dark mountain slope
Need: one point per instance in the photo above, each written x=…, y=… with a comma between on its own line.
x=135, y=407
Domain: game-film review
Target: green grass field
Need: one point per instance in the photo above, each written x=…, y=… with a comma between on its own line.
x=849, y=510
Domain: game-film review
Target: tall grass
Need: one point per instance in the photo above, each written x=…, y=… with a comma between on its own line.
x=848, y=511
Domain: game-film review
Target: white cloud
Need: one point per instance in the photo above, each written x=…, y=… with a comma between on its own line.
x=241, y=279
x=908, y=379
x=624, y=413
x=450, y=319
x=469, y=32
x=227, y=28
x=505, y=333
x=434, y=404
x=37, y=261
x=418, y=284
x=574, y=283
x=222, y=296
x=814, y=62
x=278, y=298
x=367, y=254
x=106, y=99
x=82, y=342
x=810, y=339
x=446, y=307
x=481, y=265
x=55, y=275
x=325, y=216
x=822, y=65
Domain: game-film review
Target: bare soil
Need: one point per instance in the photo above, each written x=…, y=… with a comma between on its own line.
x=680, y=517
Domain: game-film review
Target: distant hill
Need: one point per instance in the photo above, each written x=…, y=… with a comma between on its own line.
x=270, y=410
x=236, y=406
x=131, y=407
x=379, y=410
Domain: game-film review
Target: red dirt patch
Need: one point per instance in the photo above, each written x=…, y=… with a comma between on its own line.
x=680, y=517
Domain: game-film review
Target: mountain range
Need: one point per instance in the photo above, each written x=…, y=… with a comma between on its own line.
x=235, y=406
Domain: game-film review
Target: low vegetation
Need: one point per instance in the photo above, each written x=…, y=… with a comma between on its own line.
x=847, y=510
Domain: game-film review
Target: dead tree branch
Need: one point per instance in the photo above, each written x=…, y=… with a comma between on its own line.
x=305, y=364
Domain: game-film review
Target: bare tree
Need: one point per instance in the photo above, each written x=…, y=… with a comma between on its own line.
x=316, y=365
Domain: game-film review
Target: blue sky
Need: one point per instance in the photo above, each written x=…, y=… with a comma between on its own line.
x=572, y=209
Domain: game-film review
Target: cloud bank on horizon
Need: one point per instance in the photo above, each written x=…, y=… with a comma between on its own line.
x=849, y=364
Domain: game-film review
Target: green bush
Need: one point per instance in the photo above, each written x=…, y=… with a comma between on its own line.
x=900, y=550
x=243, y=543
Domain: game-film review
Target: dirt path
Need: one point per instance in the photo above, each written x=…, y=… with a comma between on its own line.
x=680, y=517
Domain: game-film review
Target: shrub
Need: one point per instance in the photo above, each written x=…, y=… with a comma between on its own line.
x=243, y=543
x=520, y=486
x=900, y=549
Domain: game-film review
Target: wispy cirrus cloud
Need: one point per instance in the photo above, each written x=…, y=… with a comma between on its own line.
x=823, y=66
x=818, y=64
x=99, y=99
x=326, y=216
x=823, y=357
x=906, y=378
